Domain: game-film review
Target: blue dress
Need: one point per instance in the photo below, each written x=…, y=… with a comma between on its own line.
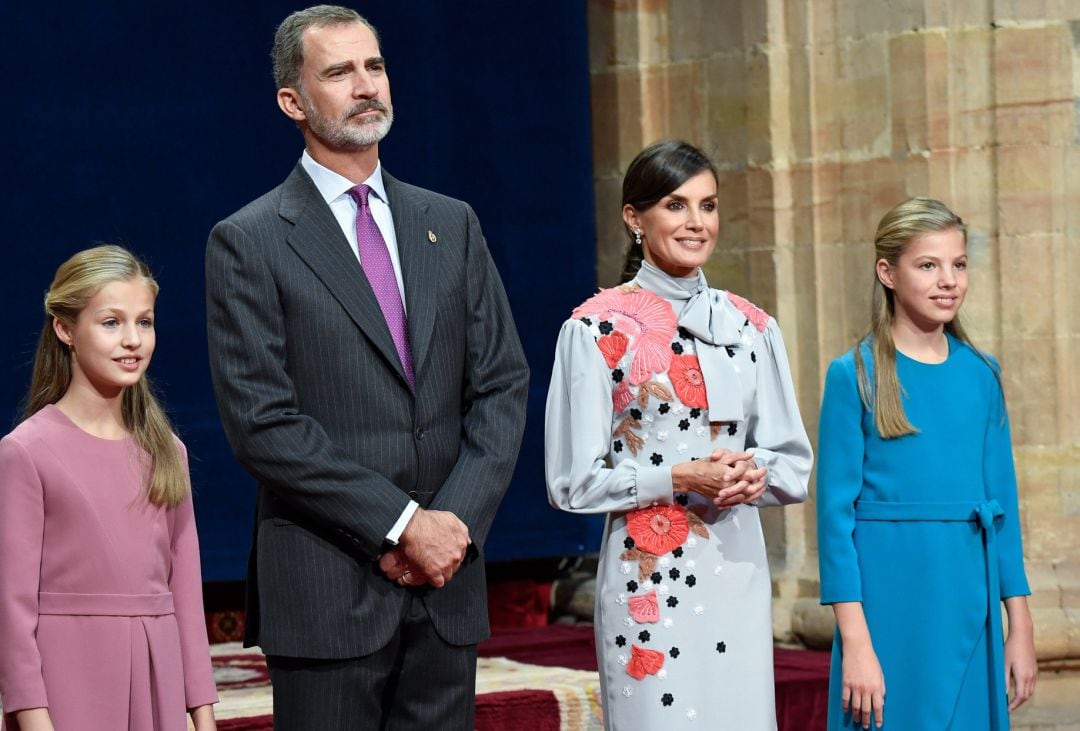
x=924, y=530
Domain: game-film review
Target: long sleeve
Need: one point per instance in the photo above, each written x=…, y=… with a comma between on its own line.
x=185, y=583
x=285, y=449
x=494, y=394
x=1000, y=475
x=775, y=429
x=841, y=446
x=22, y=526
x=577, y=436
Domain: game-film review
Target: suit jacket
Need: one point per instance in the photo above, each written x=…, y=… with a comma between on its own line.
x=315, y=404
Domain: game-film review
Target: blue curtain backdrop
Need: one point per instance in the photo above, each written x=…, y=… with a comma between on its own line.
x=144, y=124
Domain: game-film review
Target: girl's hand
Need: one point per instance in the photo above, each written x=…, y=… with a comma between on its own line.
x=864, y=685
x=1020, y=664
x=202, y=717
x=33, y=719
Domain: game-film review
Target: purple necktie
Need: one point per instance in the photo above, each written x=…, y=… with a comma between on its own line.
x=375, y=261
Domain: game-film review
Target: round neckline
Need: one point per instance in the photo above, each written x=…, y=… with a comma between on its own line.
x=948, y=342
x=67, y=421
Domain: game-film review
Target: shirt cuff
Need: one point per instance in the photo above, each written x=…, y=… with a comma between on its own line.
x=653, y=487
x=403, y=520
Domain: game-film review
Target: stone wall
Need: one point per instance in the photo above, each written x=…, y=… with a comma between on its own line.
x=823, y=114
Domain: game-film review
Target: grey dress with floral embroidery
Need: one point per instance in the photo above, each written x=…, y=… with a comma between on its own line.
x=658, y=372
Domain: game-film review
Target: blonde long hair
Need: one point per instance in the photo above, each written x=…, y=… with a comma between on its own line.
x=76, y=281
x=905, y=222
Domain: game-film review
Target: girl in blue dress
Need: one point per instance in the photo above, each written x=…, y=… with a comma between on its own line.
x=918, y=524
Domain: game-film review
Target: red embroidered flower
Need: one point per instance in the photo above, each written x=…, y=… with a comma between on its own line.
x=613, y=347
x=685, y=375
x=644, y=662
x=647, y=319
x=621, y=397
x=645, y=609
x=658, y=529
x=757, y=316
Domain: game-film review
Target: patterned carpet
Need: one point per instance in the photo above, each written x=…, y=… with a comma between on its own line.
x=510, y=695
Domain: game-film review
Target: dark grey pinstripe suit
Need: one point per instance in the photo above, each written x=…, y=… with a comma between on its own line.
x=316, y=406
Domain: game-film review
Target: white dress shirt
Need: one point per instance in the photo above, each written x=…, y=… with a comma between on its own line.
x=335, y=191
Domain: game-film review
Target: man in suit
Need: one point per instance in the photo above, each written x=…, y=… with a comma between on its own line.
x=369, y=375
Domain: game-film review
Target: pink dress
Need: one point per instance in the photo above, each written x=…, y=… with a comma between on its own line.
x=101, y=616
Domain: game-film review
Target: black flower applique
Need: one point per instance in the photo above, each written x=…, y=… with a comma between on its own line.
x=586, y=320
x=753, y=357
x=656, y=578
x=732, y=429
x=684, y=500
x=684, y=425
x=685, y=334
x=674, y=652
x=664, y=408
x=617, y=375
x=631, y=586
x=730, y=350
x=620, y=641
x=628, y=543
x=721, y=647
x=617, y=446
x=674, y=574
x=747, y=322
x=606, y=327
x=667, y=699
x=677, y=348
x=695, y=413
x=656, y=459
x=678, y=552
x=691, y=579
x=672, y=602
x=644, y=635
x=636, y=413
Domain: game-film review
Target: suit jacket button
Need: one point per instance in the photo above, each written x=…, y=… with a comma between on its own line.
x=419, y=433
x=414, y=495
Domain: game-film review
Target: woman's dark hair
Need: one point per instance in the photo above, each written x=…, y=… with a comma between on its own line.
x=658, y=170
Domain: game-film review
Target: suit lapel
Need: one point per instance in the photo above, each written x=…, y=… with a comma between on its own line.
x=419, y=263
x=317, y=239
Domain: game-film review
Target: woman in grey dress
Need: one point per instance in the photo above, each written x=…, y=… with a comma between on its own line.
x=671, y=409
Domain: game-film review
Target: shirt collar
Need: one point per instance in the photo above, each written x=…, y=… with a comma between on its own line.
x=332, y=186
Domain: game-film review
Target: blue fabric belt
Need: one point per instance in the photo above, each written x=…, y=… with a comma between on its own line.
x=984, y=514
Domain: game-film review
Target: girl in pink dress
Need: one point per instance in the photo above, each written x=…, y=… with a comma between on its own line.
x=101, y=617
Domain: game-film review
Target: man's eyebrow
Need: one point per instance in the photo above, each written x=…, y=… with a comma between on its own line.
x=340, y=66
x=375, y=61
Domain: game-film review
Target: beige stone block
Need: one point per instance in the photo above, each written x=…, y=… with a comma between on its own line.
x=1030, y=375
x=865, y=124
x=1027, y=285
x=801, y=119
x=908, y=93
x=957, y=15
x=830, y=99
x=675, y=102
x=761, y=266
x=758, y=101
x=727, y=269
x=725, y=87
x=1037, y=10
x=1028, y=200
x=616, y=120
x=813, y=624
x=627, y=32
x=861, y=18
x=700, y=28
x=1032, y=65
x=973, y=195
x=611, y=239
x=732, y=202
x=971, y=88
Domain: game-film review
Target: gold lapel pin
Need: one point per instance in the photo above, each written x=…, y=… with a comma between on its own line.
x=432, y=237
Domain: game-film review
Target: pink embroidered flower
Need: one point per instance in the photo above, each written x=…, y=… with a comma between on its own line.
x=757, y=316
x=685, y=375
x=644, y=662
x=645, y=609
x=647, y=319
x=613, y=347
x=658, y=529
x=621, y=397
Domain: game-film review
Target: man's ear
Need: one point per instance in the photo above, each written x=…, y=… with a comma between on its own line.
x=289, y=101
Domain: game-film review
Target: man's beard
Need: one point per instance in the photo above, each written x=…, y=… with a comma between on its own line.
x=340, y=134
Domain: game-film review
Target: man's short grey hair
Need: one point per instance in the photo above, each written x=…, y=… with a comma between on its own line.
x=288, y=53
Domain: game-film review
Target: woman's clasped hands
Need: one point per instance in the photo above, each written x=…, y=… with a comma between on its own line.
x=727, y=478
